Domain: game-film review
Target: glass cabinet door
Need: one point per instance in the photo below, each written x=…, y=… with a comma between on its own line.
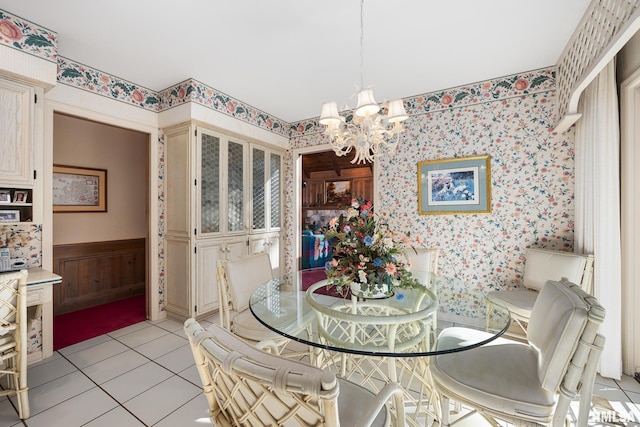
x=266, y=191
x=259, y=194
x=275, y=187
x=209, y=184
x=235, y=185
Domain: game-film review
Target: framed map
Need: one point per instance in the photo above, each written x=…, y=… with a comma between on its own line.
x=78, y=189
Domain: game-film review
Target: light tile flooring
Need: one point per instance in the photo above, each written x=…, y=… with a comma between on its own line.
x=144, y=375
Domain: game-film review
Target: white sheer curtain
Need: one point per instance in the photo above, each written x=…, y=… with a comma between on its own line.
x=597, y=197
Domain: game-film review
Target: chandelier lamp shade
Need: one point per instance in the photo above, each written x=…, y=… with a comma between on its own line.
x=367, y=130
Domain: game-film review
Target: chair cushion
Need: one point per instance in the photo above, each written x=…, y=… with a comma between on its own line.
x=502, y=375
x=543, y=265
x=518, y=302
x=245, y=325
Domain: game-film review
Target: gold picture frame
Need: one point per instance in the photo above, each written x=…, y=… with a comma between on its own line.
x=338, y=192
x=460, y=185
x=79, y=189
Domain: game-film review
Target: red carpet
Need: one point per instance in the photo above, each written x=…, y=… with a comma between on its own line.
x=72, y=328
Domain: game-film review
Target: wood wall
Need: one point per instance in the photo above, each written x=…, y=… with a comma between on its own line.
x=97, y=273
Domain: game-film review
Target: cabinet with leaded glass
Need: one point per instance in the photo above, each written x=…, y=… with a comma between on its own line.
x=212, y=181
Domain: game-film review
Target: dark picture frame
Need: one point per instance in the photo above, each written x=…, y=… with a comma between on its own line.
x=460, y=185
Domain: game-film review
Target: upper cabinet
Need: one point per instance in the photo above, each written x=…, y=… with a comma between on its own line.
x=20, y=151
x=17, y=114
x=223, y=194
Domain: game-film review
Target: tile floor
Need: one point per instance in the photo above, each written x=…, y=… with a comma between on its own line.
x=144, y=375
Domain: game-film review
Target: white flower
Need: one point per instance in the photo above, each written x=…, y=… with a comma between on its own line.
x=387, y=242
x=351, y=213
x=362, y=275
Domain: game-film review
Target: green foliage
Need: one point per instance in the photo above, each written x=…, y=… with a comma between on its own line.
x=37, y=40
x=71, y=73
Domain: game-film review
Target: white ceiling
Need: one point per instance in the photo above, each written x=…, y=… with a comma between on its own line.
x=287, y=57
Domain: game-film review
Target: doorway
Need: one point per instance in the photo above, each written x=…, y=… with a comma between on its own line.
x=101, y=256
x=328, y=183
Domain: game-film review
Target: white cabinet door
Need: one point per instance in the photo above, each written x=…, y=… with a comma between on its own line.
x=208, y=256
x=16, y=133
x=269, y=243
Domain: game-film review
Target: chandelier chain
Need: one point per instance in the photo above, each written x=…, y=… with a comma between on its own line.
x=361, y=44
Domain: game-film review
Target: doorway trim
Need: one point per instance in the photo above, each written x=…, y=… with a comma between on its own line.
x=630, y=221
x=51, y=107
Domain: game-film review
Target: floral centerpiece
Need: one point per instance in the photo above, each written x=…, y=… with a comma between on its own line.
x=368, y=258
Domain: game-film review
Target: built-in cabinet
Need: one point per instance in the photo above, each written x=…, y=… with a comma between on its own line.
x=223, y=199
x=20, y=140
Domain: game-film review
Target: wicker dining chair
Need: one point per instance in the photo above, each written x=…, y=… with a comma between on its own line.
x=13, y=338
x=245, y=386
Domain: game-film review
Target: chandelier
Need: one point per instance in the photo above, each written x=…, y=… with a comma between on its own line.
x=367, y=131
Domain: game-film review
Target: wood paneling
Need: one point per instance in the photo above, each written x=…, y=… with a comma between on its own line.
x=97, y=273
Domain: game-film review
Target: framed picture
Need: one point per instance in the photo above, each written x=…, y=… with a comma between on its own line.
x=5, y=196
x=20, y=196
x=337, y=192
x=9, y=216
x=77, y=189
x=455, y=186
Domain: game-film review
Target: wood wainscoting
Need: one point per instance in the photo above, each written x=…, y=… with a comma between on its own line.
x=97, y=273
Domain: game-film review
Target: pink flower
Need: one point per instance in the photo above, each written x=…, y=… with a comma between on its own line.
x=137, y=96
x=390, y=269
x=181, y=93
x=231, y=107
x=333, y=222
x=447, y=99
x=10, y=30
x=521, y=84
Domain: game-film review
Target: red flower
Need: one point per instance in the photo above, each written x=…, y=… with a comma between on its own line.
x=447, y=99
x=10, y=30
x=181, y=93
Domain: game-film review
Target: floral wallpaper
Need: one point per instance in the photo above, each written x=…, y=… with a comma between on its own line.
x=532, y=179
x=28, y=37
x=23, y=241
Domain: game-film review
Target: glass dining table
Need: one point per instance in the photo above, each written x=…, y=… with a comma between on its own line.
x=373, y=341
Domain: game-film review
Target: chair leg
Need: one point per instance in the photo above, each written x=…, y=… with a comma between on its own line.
x=444, y=410
x=23, y=404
